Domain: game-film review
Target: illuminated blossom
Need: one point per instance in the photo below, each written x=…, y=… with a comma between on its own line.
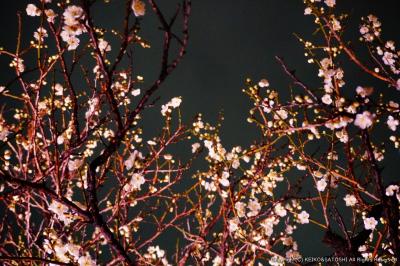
x=364, y=120
x=254, y=208
x=130, y=162
x=392, y=123
x=32, y=10
x=40, y=34
x=74, y=164
x=326, y=99
x=364, y=91
x=195, y=147
x=303, y=217
x=139, y=8
x=280, y=210
x=263, y=83
x=50, y=15
x=73, y=43
x=391, y=190
x=321, y=185
x=137, y=181
x=330, y=3
x=234, y=224
x=174, y=103
x=240, y=209
x=86, y=261
x=350, y=200
x=61, y=211
x=104, y=46
x=370, y=223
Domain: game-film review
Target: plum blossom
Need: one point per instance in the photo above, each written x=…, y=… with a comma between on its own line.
x=139, y=8
x=224, y=179
x=40, y=34
x=307, y=11
x=137, y=181
x=51, y=15
x=32, y=10
x=389, y=58
x=321, y=185
x=58, y=88
x=342, y=135
x=240, y=208
x=254, y=208
x=303, y=217
x=263, y=83
x=364, y=120
x=61, y=211
x=391, y=190
x=336, y=25
x=73, y=43
x=392, y=123
x=280, y=210
x=326, y=99
x=74, y=164
x=195, y=147
x=130, y=162
x=338, y=122
x=281, y=114
x=370, y=223
x=73, y=27
x=364, y=91
x=18, y=63
x=350, y=200
x=86, y=261
x=330, y=3
x=172, y=104
x=104, y=46
x=234, y=224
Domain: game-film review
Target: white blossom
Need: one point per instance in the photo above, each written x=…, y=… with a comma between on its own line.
x=350, y=200
x=195, y=147
x=391, y=190
x=321, y=184
x=139, y=8
x=136, y=92
x=32, y=10
x=240, y=209
x=307, y=11
x=50, y=15
x=392, y=123
x=263, y=83
x=364, y=91
x=104, y=46
x=173, y=103
x=370, y=223
x=254, y=208
x=137, y=181
x=61, y=211
x=303, y=217
x=86, y=261
x=326, y=99
x=280, y=210
x=234, y=224
x=330, y=3
x=364, y=120
x=40, y=34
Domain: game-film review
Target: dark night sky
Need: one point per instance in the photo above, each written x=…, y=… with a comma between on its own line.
x=230, y=40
